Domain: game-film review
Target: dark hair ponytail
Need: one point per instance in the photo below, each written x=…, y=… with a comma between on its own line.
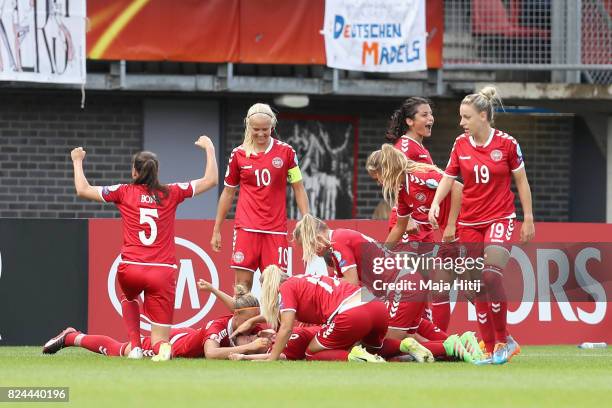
x=147, y=166
x=397, y=123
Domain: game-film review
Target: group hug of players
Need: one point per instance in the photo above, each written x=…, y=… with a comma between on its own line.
x=320, y=317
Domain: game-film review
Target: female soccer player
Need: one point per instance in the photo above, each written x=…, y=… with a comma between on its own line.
x=487, y=159
x=148, y=261
x=336, y=304
x=412, y=186
x=408, y=127
x=261, y=167
x=212, y=341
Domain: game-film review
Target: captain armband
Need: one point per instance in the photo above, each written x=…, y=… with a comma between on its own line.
x=294, y=175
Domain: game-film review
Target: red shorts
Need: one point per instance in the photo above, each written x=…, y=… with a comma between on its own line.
x=497, y=232
x=158, y=284
x=186, y=343
x=366, y=323
x=405, y=315
x=253, y=250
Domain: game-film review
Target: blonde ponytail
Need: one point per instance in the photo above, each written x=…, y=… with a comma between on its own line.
x=259, y=108
x=273, y=276
x=243, y=298
x=391, y=166
x=485, y=101
x=306, y=234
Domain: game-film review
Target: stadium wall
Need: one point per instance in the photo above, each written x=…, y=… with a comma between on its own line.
x=37, y=130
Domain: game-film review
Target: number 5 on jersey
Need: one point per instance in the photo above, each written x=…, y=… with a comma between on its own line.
x=147, y=216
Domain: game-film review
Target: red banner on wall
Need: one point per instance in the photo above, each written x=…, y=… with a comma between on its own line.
x=532, y=322
x=240, y=31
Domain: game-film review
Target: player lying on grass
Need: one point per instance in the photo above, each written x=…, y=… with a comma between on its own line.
x=211, y=341
x=350, y=254
x=337, y=305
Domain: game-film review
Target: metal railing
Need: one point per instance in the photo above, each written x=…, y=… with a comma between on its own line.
x=572, y=36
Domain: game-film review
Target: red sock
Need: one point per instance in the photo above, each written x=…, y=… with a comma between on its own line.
x=485, y=324
x=440, y=311
x=69, y=340
x=328, y=355
x=102, y=345
x=430, y=331
x=131, y=318
x=493, y=280
x=436, y=347
x=390, y=348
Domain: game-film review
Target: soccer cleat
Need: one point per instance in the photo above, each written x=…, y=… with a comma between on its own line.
x=500, y=354
x=358, y=353
x=135, y=353
x=57, y=343
x=468, y=339
x=416, y=350
x=487, y=358
x=513, y=348
x=164, y=354
x=454, y=348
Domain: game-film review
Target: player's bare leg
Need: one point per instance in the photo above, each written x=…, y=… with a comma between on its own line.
x=244, y=277
x=161, y=334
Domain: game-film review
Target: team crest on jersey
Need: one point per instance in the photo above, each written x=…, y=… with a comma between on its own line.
x=238, y=257
x=277, y=162
x=496, y=155
x=420, y=197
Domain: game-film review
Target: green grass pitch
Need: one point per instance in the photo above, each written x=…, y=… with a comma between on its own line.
x=551, y=376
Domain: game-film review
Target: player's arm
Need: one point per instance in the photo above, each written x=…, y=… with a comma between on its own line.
x=225, y=203
x=214, y=351
x=448, y=234
x=441, y=192
x=248, y=325
x=283, y=334
x=396, y=232
x=253, y=357
x=226, y=299
x=83, y=188
x=301, y=198
x=351, y=276
x=524, y=192
x=211, y=173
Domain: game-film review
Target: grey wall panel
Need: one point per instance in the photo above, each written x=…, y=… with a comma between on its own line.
x=171, y=126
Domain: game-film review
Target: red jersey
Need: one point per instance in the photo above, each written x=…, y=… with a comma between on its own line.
x=350, y=249
x=186, y=342
x=262, y=178
x=314, y=299
x=416, y=195
x=413, y=150
x=148, y=226
x=298, y=342
x=486, y=176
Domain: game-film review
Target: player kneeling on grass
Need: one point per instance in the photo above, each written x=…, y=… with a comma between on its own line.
x=211, y=341
x=335, y=304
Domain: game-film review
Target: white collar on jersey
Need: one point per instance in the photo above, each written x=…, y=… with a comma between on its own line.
x=473, y=143
x=413, y=139
x=269, y=146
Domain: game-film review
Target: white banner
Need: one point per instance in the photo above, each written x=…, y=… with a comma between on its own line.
x=42, y=41
x=375, y=35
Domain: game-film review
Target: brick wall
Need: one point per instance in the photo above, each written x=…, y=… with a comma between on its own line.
x=37, y=131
